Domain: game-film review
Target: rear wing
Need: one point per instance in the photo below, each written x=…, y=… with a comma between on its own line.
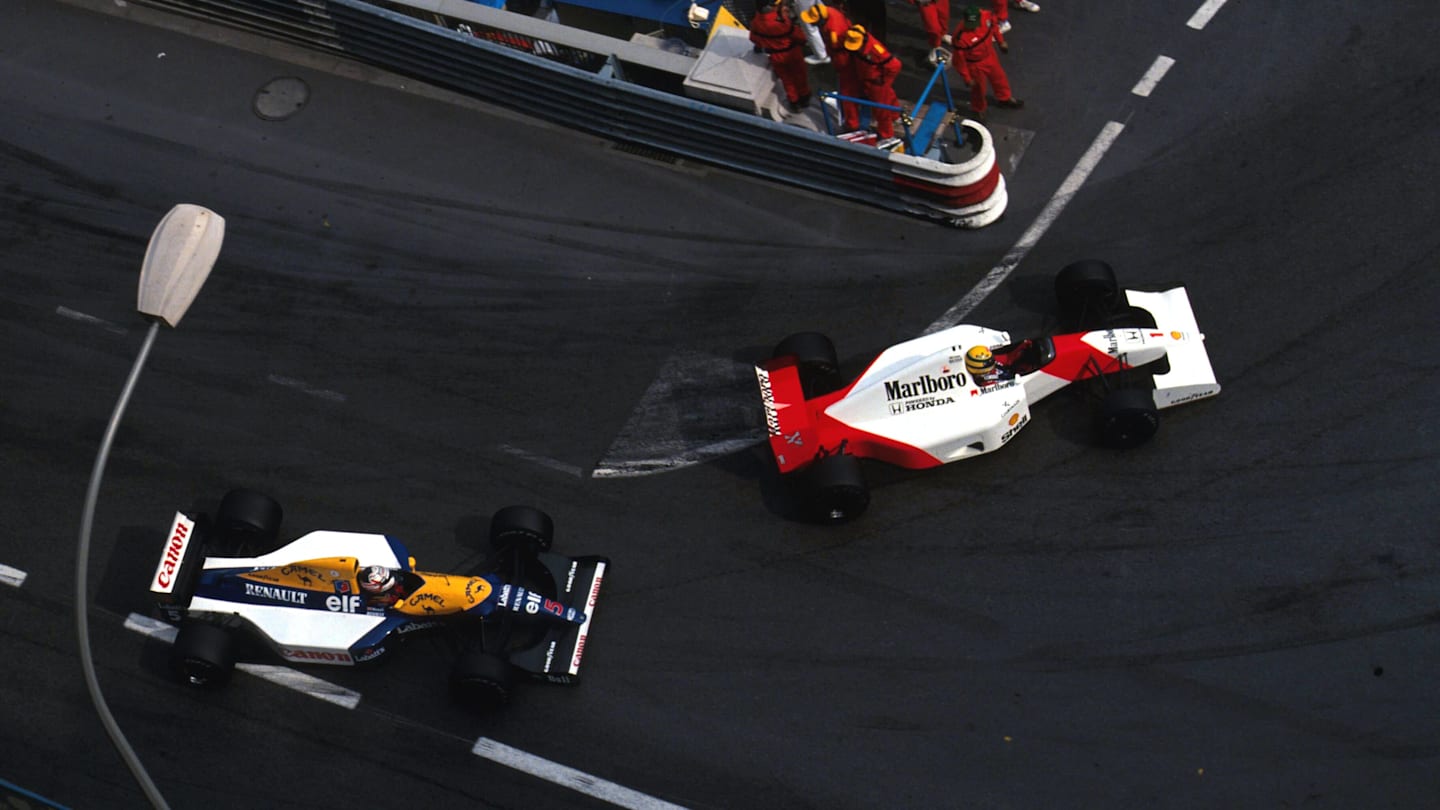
x=1190, y=376
x=180, y=562
x=788, y=422
x=557, y=658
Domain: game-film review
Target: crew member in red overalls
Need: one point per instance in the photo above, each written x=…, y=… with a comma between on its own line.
x=935, y=19
x=878, y=68
x=977, y=63
x=833, y=24
x=775, y=34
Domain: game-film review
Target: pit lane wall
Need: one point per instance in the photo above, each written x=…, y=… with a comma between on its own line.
x=613, y=88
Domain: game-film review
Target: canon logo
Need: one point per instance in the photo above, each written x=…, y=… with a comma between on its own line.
x=317, y=656
x=579, y=651
x=165, y=572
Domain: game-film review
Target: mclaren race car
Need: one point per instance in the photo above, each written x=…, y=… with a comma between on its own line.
x=920, y=404
x=349, y=598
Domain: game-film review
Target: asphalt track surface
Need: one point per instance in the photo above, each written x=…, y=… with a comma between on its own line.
x=425, y=310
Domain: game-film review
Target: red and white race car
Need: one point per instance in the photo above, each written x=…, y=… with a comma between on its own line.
x=916, y=406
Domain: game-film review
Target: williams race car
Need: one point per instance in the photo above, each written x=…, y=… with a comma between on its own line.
x=967, y=390
x=349, y=598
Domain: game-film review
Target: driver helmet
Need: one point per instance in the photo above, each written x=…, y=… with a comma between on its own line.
x=376, y=579
x=980, y=363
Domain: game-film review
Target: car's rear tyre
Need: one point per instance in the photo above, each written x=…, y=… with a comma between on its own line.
x=815, y=358
x=522, y=526
x=1128, y=418
x=1087, y=293
x=837, y=489
x=482, y=680
x=248, y=521
x=203, y=655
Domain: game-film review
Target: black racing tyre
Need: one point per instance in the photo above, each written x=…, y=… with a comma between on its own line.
x=203, y=655
x=482, y=680
x=248, y=520
x=837, y=489
x=523, y=526
x=1124, y=315
x=1128, y=418
x=815, y=358
x=1087, y=293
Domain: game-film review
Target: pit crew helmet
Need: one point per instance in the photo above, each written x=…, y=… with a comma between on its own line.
x=376, y=579
x=980, y=362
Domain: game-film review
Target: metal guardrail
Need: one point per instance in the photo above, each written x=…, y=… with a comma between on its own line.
x=578, y=82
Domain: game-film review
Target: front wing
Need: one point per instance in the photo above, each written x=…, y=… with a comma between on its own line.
x=556, y=658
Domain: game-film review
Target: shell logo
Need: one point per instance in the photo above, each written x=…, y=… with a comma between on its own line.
x=1014, y=417
x=1177, y=335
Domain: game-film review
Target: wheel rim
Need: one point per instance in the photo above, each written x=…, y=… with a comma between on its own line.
x=197, y=672
x=842, y=503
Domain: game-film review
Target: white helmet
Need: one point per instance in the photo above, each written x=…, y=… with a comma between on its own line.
x=376, y=579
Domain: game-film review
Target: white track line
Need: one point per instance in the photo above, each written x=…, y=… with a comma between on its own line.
x=567, y=777
x=13, y=577
x=303, y=682
x=289, y=678
x=1152, y=76
x=543, y=461
x=66, y=312
x=303, y=387
x=1203, y=14
x=1037, y=229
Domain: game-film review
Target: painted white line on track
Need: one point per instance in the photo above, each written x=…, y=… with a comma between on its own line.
x=568, y=777
x=1203, y=14
x=305, y=388
x=13, y=577
x=1037, y=229
x=154, y=628
x=543, y=461
x=284, y=676
x=66, y=312
x=303, y=682
x=1152, y=76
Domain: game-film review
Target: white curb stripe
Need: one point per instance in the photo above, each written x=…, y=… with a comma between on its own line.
x=577, y=781
x=1204, y=13
x=13, y=577
x=1152, y=76
x=1037, y=229
x=299, y=681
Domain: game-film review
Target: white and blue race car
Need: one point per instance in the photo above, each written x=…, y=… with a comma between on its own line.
x=347, y=598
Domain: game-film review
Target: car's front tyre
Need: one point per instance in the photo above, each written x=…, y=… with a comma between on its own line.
x=523, y=527
x=1128, y=418
x=481, y=680
x=1087, y=293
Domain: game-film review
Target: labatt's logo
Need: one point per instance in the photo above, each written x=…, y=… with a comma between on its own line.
x=922, y=385
x=169, y=567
